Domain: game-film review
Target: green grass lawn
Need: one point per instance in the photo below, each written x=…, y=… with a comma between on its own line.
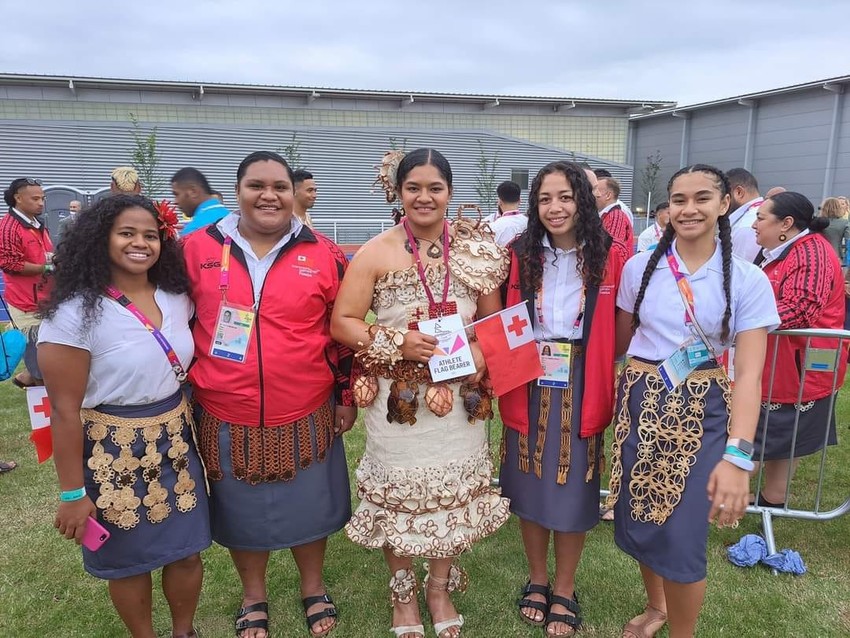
x=45, y=592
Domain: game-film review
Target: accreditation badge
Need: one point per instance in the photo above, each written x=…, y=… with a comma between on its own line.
x=232, y=332
x=687, y=358
x=556, y=360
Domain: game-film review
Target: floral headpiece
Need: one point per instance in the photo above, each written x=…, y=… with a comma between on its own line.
x=167, y=216
x=387, y=170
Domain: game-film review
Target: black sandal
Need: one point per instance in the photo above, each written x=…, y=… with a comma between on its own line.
x=327, y=612
x=526, y=603
x=243, y=623
x=574, y=622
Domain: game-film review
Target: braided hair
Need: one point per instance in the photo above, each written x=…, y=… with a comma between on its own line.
x=592, y=242
x=724, y=233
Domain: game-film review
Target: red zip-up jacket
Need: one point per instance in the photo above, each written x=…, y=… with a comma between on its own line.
x=809, y=288
x=598, y=334
x=292, y=366
x=19, y=243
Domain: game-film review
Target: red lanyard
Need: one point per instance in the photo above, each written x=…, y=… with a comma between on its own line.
x=684, y=287
x=173, y=359
x=538, y=302
x=411, y=240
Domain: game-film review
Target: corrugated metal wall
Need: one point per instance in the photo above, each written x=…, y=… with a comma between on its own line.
x=342, y=159
x=790, y=141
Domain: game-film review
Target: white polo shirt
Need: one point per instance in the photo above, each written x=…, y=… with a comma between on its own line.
x=744, y=242
x=662, y=314
x=507, y=227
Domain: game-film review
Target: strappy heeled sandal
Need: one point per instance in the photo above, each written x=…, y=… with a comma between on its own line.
x=458, y=580
x=654, y=620
x=526, y=603
x=403, y=589
x=242, y=623
x=573, y=622
x=327, y=612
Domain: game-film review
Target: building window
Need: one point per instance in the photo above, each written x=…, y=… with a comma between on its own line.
x=520, y=176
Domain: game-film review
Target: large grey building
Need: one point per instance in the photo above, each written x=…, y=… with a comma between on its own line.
x=73, y=131
x=797, y=137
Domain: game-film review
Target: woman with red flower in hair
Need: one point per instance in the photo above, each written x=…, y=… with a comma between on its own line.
x=113, y=348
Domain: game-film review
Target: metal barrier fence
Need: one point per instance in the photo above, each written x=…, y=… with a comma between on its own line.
x=817, y=360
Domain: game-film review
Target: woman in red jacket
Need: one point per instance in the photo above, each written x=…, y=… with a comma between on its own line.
x=272, y=389
x=567, y=269
x=806, y=277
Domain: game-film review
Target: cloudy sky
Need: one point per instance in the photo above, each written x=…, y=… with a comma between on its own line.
x=688, y=51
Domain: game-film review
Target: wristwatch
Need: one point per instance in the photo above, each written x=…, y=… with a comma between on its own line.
x=745, y=446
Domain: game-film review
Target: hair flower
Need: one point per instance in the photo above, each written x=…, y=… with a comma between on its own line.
x=387, y=170
x=168, y=219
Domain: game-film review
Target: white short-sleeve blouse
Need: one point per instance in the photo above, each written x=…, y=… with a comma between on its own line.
x=128, y=366
x=662, y=314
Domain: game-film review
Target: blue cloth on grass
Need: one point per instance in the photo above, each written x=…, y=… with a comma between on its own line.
x=752, y=549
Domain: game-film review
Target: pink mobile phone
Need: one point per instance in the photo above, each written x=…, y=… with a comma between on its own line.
x=95, y=535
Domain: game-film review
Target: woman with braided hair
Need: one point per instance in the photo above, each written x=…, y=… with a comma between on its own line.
x=683, y=437
x=566, y=268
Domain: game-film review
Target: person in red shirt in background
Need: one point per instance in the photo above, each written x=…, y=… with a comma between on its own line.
x=614, y=219
x=26, y=258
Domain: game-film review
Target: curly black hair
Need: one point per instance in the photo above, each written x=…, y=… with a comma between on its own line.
x=592, y=241
x=82, y=258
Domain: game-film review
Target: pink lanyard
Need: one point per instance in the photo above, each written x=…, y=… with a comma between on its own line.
x=687, y=295
x=411, y=240
x=684, y=287
x=173, y=359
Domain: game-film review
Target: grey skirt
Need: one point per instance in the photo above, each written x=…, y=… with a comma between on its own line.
x=277, y=514
x=816, y=428
x=666, y=444
x=156, y=514
x=570, y=505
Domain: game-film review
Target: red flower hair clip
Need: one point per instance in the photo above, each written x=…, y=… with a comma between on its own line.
x=168, y=220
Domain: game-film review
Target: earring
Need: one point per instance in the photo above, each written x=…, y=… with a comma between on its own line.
x=783, y=237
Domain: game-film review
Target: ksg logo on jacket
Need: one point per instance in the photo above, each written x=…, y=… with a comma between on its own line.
x=210, y=262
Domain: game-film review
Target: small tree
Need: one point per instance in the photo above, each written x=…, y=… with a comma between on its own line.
x=485, y=181
x=650, y=178
x=145, y=158
x=394, y=144
x=292, y=152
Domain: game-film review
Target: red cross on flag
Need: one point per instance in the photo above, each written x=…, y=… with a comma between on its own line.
x=507, y=342
x=39, y=409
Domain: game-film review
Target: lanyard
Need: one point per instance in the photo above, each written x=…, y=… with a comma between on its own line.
x=684, y=287
x=657, y=230
x=224, y=273
x=173, y=359
x=538, y=302
x=421, y=268
x=687, y=294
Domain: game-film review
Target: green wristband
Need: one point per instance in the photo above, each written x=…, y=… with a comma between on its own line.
x=72, y=495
